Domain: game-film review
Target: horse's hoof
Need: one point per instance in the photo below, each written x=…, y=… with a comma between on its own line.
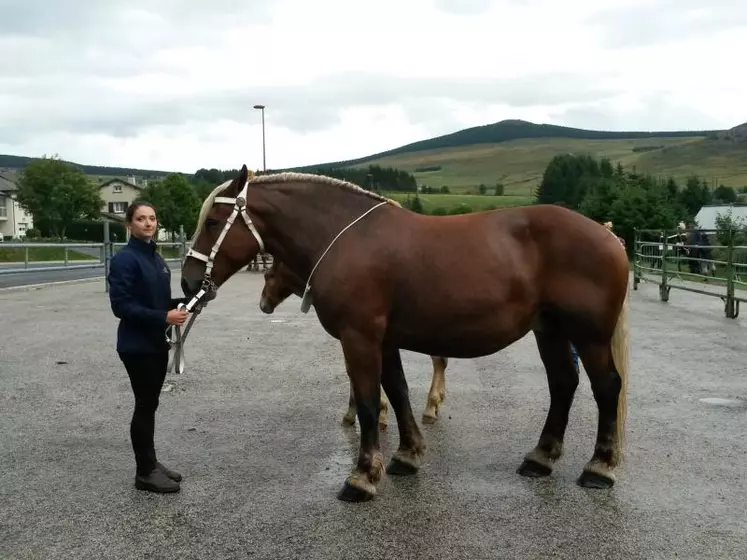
x=590, y=479
x=347, y=421
x=349, y=493
x=400, y=468
x=533, y=469
x=429, y=419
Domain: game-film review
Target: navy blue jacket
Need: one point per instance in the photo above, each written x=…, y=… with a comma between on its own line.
x=140, y=296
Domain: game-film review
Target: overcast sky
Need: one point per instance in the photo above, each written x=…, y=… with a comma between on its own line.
x=170, y=84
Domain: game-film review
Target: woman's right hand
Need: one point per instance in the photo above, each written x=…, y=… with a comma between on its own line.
x=176, y=316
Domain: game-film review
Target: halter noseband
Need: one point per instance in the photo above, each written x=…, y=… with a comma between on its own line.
x=239, y=206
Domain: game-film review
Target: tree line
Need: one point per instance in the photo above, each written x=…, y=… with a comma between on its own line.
x=60, y=196
x=63, y=200
x=630, y=200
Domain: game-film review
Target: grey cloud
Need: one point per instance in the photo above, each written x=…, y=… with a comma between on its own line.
x=83, y=105
x=655, y=112
x=78, y=18
x=463, y=7
x=667, y=20
x=474, y=7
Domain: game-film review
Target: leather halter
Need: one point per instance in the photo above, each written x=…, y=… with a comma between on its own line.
x=239, y=207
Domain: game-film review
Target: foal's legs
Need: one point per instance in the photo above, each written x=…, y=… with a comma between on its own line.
x=409, y=455
x=437, y=392
x=606, y=385
x=562, y=378
x=349, y=418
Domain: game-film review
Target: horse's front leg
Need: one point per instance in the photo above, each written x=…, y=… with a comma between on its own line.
x=363, y=359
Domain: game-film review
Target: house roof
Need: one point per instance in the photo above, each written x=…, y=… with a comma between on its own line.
x=6, y=185
x=706, y=216
x=117, y=180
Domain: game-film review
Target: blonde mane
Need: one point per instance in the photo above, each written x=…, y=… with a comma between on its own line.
x=206, y=206
x=289, y=176
x=285, y=177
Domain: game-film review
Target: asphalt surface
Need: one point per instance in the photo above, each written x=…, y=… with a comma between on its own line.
x=254, y=426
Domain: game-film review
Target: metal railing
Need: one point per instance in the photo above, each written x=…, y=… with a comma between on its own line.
x=100, y=254
x=708, y=262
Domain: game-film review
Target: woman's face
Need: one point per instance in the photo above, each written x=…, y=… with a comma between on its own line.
x=144, y=223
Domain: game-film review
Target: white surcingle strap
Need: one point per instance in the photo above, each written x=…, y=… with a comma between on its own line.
x=306, y=298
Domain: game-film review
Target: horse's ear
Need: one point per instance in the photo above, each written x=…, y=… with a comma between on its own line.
x=243, y=175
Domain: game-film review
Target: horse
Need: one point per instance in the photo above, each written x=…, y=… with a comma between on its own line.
x=281, y=282
x=384, y=278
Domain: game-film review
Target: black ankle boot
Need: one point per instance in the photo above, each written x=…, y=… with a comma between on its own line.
x=173, y=475
x=156, y=481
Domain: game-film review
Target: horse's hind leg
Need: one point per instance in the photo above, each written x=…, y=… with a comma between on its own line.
x=409, y=456
x=562, y=378
x=606, y=384
x=437, y=391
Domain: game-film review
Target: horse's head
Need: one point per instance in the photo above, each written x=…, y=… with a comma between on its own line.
x=280, y=283
x=225, y=239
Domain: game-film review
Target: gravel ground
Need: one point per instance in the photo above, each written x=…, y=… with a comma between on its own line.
x=254, y=426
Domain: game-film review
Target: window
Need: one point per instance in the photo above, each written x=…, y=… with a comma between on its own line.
x=117, y=207
x=3, y=207
x=117, y=188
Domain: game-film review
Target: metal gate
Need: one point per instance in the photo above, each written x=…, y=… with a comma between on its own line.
x=708, y=262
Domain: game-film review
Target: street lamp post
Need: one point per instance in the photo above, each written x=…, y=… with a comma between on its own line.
x=264, y=160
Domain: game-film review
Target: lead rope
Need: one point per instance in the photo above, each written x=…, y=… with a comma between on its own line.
x=176, y=345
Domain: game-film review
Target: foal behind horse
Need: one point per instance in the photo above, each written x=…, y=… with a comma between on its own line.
x=281, y=282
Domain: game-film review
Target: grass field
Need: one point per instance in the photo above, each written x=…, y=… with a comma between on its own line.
x=519, y=164
x=18, y=254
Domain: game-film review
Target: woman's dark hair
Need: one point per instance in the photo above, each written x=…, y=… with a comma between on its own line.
x=134, y=206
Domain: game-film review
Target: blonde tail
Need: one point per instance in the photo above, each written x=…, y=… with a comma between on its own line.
x=619, y=348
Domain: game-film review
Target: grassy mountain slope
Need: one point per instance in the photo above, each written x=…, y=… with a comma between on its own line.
x=518, y=164
x=516, y=153
x=509, y=130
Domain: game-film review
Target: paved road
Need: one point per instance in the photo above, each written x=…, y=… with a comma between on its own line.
x=254, y=425
x=38, y=275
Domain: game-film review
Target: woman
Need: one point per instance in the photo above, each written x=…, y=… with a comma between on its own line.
x=140, y=296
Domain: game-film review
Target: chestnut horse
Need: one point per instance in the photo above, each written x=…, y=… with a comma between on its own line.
x=384, y=278
x=281, y=282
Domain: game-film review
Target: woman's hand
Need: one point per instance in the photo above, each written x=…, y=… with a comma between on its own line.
x=176, y=316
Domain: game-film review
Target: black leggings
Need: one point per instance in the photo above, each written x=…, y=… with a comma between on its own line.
x=147, y=373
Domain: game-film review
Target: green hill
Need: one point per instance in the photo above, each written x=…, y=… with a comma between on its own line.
x=515, y=153
x=19, y=162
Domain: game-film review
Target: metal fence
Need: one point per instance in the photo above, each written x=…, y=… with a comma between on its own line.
x=708, y=262
x=99, y=255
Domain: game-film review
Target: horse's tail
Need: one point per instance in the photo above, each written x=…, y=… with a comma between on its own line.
x=619, y=348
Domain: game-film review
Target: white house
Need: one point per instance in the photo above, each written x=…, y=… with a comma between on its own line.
x=117, y=195
x=14, y=220
x=706, y=216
